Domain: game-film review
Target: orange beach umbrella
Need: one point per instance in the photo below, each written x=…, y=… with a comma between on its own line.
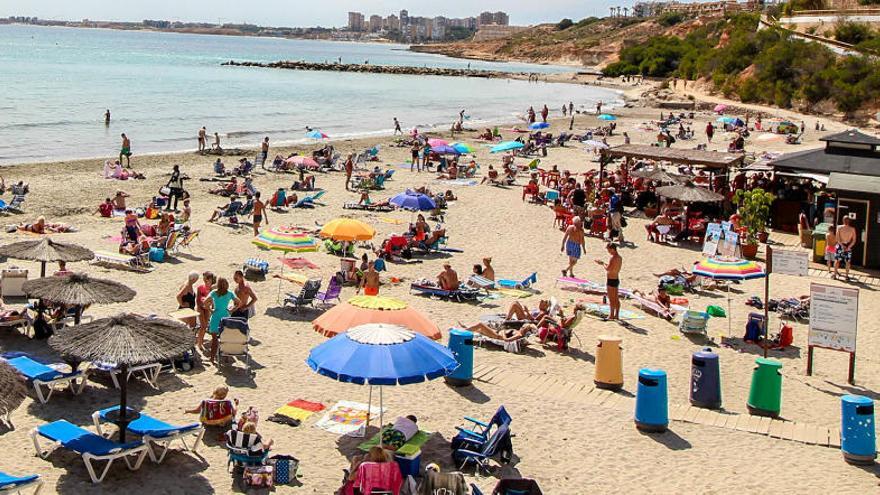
x=347, y=229
x=362, y=310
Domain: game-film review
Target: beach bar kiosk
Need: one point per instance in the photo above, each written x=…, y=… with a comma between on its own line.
x=849, y=166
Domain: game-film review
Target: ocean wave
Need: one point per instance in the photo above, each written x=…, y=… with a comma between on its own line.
x=39, y=125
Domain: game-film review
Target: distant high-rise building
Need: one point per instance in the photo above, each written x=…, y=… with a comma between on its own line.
x=438, y=28
x=493, y=18
x=355, y=21
x=404, y=19
x=392, y=23
x=485, y=18
x=501, y=18
x=375, y=23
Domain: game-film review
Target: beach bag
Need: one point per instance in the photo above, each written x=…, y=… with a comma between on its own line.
x=285, y=467
x=157, y=254
x=258, y=477
x=152, y=213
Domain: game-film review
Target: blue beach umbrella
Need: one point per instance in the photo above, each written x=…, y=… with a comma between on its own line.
x=411, y=200
x=463, y=148
x=445, y=150
x=316, y=134
x=536, y=126
x=605, y=116
x=381, y=354
x=506, y=146
x=726, y=120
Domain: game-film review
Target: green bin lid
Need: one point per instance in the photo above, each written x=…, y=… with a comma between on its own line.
x=768, y=362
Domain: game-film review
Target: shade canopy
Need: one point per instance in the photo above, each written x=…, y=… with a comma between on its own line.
x=657, y=174
x=78, y=289
x=381, y=354
x=286, y=239
x=46, y=251
x=506, y=146
x=372, y=309
x=689, y=193
x=411, y=200
x=302, y=161
x=710, y=159
x=12, y=388
x=733, y=269
x=607, y=117
x=445, y=150
x=347, y=229
x=124, y=339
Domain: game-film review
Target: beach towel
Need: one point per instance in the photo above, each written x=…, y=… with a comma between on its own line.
x=458, y=182
x=347, y=418
x=411, y=447
x=588, y=286
x=392, y=221
x=517, y=293
x=299, y=409
x=602, y=311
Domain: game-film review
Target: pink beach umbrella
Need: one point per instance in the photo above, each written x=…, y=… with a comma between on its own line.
x=438, y=142
x=720, y=107
x=302, y=161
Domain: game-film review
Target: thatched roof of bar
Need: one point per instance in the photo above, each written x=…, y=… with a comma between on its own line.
x=709, y=159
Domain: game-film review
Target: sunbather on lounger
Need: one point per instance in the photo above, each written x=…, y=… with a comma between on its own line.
x=519, y=311
x=506, y=335
x=660, y=298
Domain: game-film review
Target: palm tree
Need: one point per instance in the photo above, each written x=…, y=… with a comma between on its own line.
x=625, y=11
x=612, y=11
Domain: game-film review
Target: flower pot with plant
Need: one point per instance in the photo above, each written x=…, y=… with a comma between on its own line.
x=754, y=212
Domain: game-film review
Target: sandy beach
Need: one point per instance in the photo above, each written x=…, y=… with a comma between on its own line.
x=569, y=442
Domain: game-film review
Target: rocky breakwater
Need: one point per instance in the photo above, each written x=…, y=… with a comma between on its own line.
x=379, y=69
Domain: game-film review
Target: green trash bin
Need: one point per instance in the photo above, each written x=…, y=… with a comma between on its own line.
x=765, y=395
x=819, y=242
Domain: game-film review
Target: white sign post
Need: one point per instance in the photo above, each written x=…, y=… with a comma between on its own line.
x=834, y=318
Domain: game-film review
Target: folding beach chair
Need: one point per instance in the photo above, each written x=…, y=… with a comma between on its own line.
x=234, y=340
x=155, y=433
x=306, y=297
x=334, y=290
x=481, y=282
x=244, y=449
x=41, y=376
x=523, y=284
x=90, y=446
x=140, y=263
x=187, y=239
x=481, y=431
x=16, y=484
x=499, y=441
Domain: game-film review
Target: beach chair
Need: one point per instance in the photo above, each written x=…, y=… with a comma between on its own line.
x=187, y=239
x=334, y=289
x=389, y=173
x=378, y=478
x=244, y=449
x=231, y=211
x=523, y=284
x=694, y=322
x=481, y=282
x=480, y=431
x=15, y=204
x=155, y=433
x=90, y=446
x=140, y=263
x=562, y=335
x=498, y=441
x=149, y=372
x=220, y=413
x=41, y=376
x=16, y=484
x=234, y=340
x=463, y=293
x=306, y=296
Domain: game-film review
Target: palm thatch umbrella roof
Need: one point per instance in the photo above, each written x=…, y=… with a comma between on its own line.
x=78, y=289
x=659, y=175
x=689, y=193
x=12, y=388
x=46, y=251
x=124, y=339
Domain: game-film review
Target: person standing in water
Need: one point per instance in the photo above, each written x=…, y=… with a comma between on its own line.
x=107, y=117
x=203, y=139
x=397, y=127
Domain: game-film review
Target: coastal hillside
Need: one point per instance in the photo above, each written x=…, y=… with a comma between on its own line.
x=589, y=42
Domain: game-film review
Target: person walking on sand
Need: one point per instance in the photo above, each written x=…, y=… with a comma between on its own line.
x=397, y=127
x=264, y=148
x=107, y=117
x=259, y=213
x=544, y=113
x=564, y=110
x=612, y=279
x=370, y=281
x=571, y=108
x=203, y=139
x=349, y=169
x=175, y=188
x=846, y=241
x=573, y=244
x=216, y=145
x=710, y=131
x=598, y=107
x=125, y=151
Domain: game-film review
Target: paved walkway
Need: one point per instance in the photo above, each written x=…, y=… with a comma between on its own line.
x=553, y=388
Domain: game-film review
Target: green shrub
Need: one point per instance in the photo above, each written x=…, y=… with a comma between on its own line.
x=564, y=24
x=669, y=19
x=852, y=32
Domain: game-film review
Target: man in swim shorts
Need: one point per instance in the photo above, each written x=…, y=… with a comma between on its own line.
x=125, y=151
x=612, y=282
x=573, y=244
x=846, y=241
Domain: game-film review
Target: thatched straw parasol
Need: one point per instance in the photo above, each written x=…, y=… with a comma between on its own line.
x=12, y=389
x=689, y=193
x=125, y=340
x=45, y=251
x=78, y=289
x=658, y=175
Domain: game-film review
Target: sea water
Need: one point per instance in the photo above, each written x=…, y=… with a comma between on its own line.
x=161, y=88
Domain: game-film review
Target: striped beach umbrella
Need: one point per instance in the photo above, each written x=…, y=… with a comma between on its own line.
x=286, y=239
x=463, y=148
x=733, y=269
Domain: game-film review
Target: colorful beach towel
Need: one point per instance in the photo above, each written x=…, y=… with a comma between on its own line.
x=299, y=409
x=409, y=448
x=347, y=418
x=587, y=286
x=458, y=182
x=602, y=311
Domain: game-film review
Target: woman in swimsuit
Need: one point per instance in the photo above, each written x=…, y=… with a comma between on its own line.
x=186, y=297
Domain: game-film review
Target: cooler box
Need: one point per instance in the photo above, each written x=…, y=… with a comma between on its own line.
x=409, y=465
x=157, y=254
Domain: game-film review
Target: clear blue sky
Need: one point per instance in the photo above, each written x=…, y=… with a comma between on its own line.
x=298, y=12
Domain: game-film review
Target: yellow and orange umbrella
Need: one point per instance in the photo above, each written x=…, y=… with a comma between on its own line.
x=347, y=229
x=362, y=310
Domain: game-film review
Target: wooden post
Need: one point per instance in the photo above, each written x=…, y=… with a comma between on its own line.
x=809, y=360
x=852, y=368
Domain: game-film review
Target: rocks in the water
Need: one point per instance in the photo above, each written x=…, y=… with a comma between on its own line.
x=375, y=69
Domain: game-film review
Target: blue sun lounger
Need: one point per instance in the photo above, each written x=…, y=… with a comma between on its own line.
x=41, y=376
x=523, y=284
x=91, y=446
x=15, y=484
x=459, y=295
x=155, y=432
